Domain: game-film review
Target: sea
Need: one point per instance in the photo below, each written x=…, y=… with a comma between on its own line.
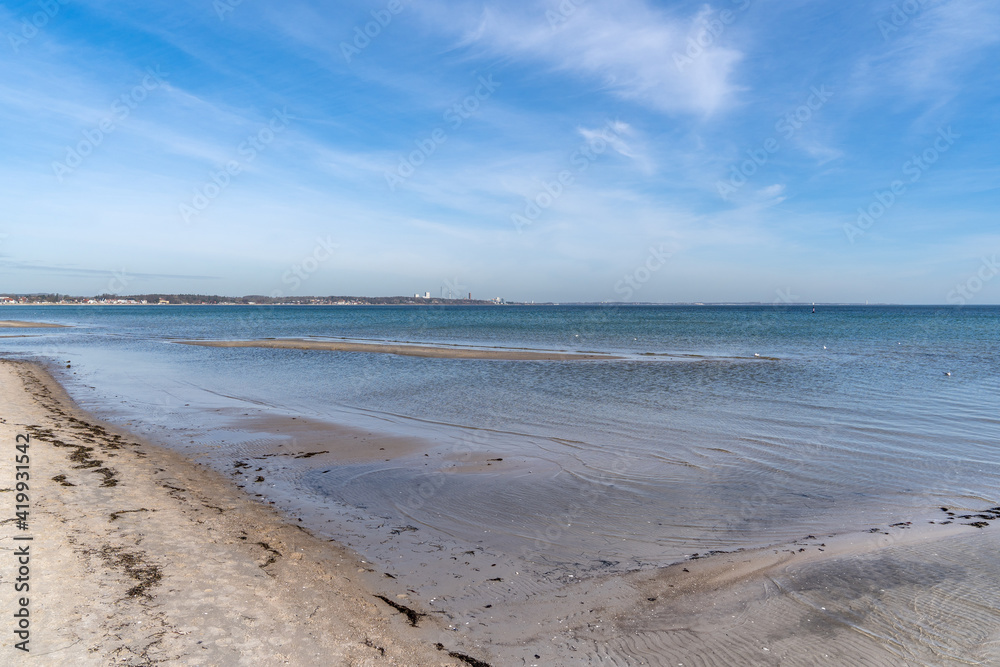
x=719, y=428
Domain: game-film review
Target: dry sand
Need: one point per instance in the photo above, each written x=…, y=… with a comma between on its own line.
x=406, y=350
x=16, y=324
x=141, y=557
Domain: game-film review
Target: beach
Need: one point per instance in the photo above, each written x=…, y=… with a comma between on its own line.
x=139, y=557
x=506, y=334
x=500, y=334
x=206, y=505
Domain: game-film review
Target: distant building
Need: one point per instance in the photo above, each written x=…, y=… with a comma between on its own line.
x=427, y=295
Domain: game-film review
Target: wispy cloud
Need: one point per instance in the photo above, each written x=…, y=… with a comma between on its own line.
x=923, y=50
x=773, y=193
x=627, y=48
x=86, y=273
x=612, y=134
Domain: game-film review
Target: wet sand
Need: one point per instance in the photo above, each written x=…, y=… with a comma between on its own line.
x=16, y=324
x=255, y=588
x=406, y=350
x=897, y=597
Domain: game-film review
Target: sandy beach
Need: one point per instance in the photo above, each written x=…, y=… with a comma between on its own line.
x=141, y=557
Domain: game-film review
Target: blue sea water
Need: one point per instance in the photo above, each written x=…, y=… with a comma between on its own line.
x=847, y=417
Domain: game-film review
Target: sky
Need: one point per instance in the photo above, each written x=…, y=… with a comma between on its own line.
x=574, y=150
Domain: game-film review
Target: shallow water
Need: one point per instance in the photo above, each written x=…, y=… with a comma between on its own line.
x=605, y=465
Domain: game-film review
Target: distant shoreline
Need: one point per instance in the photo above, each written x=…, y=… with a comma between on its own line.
x=377, y=301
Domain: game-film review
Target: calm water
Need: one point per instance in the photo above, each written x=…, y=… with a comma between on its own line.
x=610, y=463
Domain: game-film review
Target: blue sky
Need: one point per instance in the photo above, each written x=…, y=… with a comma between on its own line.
x=745, y=150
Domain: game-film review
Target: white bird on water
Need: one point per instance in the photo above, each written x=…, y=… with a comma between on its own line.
x=947, y=372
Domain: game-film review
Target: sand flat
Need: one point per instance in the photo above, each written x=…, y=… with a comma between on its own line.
x=405, y=350
x=18, y=324
x=140, y=556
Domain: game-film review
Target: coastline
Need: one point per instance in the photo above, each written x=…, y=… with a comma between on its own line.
x=141, y=556
x=126, y=531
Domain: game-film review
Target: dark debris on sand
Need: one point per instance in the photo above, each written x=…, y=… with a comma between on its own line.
x=468, y=659
x=411, y=615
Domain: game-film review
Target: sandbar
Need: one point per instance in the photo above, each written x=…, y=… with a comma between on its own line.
x=406, y=350
x=17, y=324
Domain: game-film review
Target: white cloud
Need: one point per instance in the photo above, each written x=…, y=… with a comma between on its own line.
x=821, y=152
x=612, y=134
x=772, y=192
x=625, y=47
x=924, y=50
